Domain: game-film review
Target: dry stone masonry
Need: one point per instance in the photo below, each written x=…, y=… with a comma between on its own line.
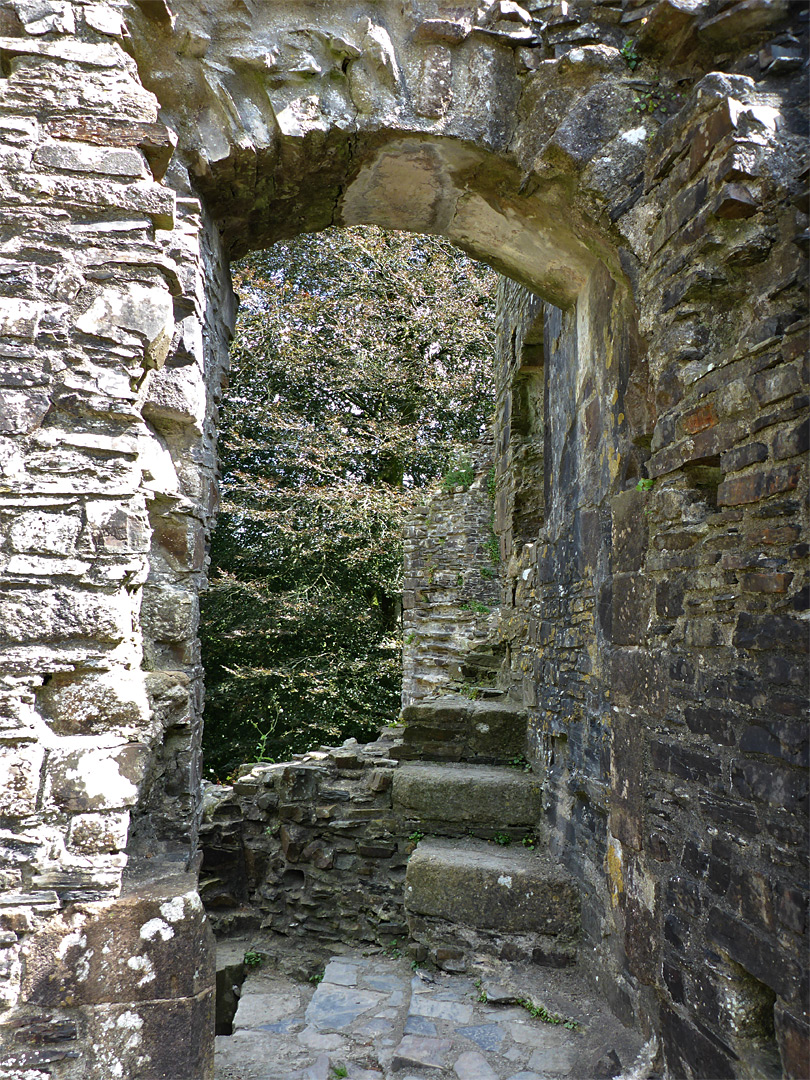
x=450, y=590
x=637, y=172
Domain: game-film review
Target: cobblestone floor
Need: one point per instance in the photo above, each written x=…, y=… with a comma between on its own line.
x=375, y=1018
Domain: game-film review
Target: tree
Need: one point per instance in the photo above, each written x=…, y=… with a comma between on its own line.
x=361, y=368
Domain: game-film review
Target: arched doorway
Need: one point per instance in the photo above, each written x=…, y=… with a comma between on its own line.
x=539, y=156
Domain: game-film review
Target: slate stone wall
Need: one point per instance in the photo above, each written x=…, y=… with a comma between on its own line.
x=309, y=849
x=657, y=625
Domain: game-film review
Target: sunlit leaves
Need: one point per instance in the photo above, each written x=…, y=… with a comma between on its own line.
x=361, y=365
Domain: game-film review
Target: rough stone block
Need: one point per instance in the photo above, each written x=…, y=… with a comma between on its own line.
x=458, y=729
x=481, y=886
x=20, y=318
x=83, y=157
x=152, y=942
x=629, y=530
x=84, y=703
x=86, y=777
x=134, y=308
x=467, y=794
x=153, y=1040
x=62, y=614
x=758, y=485
x=19, y=778
x=98, y=834
x=630, y=609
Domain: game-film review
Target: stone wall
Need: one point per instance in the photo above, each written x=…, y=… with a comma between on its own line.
x=308, y=849
x=640, y=168
x=450, y=591
x=654, y=638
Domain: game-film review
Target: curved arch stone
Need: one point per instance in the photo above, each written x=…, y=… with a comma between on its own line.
x=654, y=635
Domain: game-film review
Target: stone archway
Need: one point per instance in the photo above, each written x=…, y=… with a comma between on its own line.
x=666, y=245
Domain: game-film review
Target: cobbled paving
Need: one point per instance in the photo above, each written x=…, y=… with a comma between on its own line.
x=378, y=1017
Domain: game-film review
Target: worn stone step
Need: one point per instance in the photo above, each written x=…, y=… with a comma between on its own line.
x=468, y=899
x=456, y=728
x=483, y=885
x=463, y=794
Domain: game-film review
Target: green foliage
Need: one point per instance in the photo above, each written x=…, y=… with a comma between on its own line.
x=476, y=606
x=645, y=485
x=655, y=99
x=392, y=950
x=339, y=1072
x=415, y=837
x=629, y=54
x=520, y=761
x=252, y=959
x=504, y=839
x=539, y=1012
x=360, y=374
x=461, y=474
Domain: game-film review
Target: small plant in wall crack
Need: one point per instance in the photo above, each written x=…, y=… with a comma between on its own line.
x=645, y=485
x=477, y=607
x=252, y=959
x=504, y=839
x=629, y=54
x=482, y=994
x=655, y=99
x=519, y=761
x=339, y=1072
x=415, y=837
x=541, y=1013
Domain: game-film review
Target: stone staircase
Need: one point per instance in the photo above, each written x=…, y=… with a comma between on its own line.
x=480, y=881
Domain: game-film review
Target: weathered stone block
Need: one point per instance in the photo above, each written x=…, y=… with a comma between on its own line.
x=82, y=157
x=158, y=1040
x=98, y=834
x=153, y=942
x=19, y=778
x=136, y=309
x=631, y=609
x=758, y=485
x=84, y=703
x=62, y=614
x=87, y=777
x=467, y=793
x=474, y=884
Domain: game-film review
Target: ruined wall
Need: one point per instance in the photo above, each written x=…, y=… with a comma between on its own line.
x=109, y=372
x=309, y=849
x=450, y=591
x=655, y=634
x=642, y=172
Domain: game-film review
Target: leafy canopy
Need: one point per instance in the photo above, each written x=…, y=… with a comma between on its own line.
x=361, y=370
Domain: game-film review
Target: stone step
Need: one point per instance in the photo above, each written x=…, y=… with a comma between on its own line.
x=483, y=885
x=456, y=728
x=467, y=898
x=442, y=797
